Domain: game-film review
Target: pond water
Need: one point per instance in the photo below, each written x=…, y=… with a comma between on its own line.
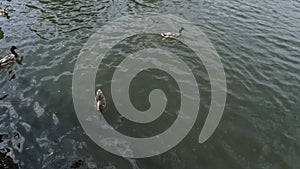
x=258, y=43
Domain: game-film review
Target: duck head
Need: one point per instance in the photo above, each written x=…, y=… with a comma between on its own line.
x=181, y=29
x=12, y=50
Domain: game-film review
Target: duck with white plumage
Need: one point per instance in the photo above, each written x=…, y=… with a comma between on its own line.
x=100, y=101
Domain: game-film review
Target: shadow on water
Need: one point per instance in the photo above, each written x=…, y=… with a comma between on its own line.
x=1, y=33
x=6, y=162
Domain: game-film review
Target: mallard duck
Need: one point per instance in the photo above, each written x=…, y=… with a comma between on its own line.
x=172, y=34
x=3, y=12
x=100, y=101
x=6, y=59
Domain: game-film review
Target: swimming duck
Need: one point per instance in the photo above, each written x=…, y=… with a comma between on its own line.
x=6, y=59
x=100, y=101
x=3, y=12
x=172, y=34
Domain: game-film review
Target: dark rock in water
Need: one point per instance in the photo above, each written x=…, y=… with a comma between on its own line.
x=77, y=164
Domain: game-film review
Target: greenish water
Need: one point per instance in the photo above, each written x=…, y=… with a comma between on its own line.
x=259, y=45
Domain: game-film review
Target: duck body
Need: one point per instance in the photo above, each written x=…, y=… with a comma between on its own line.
x=172, y=34
x=100, y=101
x=3, y=12
x=9, y=58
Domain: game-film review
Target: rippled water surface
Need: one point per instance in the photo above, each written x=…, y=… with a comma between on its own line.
x=258, y=43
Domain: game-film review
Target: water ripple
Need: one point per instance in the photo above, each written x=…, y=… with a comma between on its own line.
x=259, y=46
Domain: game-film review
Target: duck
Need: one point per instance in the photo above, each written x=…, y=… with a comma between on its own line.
x=3, y=12
x=6, y=59
x=100, y=101
x=172, y=34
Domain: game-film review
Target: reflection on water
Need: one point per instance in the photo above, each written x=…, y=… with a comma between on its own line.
x=257, y=41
